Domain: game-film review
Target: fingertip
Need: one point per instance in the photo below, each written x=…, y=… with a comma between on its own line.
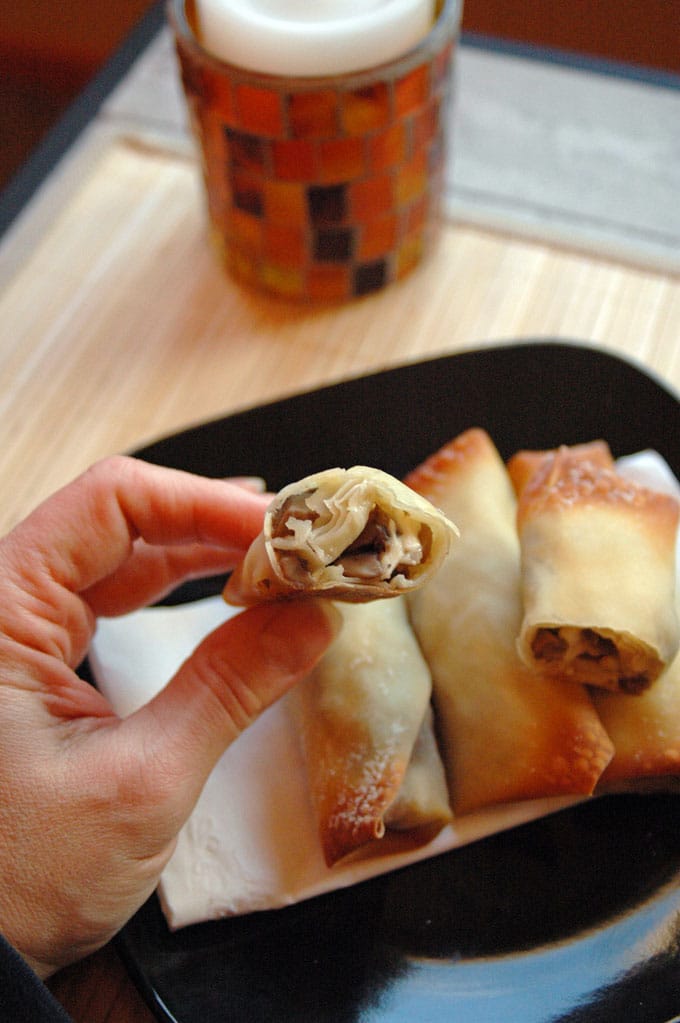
x=255, y=484
x=232, y=592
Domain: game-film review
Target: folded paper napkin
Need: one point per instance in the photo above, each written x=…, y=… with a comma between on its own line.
x=251, y=842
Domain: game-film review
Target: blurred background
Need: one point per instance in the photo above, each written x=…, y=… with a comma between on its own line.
x=50, y=50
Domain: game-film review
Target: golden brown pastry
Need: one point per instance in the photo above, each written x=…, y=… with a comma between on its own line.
x=525, y=464
x=598, y=574
x=364, y=715
x=423, y=799
x=506, y=734
x=351, y=534
x=645, y=730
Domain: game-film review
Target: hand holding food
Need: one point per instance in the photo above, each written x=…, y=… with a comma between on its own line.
x=91, y=804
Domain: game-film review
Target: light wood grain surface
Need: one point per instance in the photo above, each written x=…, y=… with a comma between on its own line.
x=547, y=149
x=540, y=148
x=121, y=326
x=118, y=326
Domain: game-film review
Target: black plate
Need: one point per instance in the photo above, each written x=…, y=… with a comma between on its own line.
x=573, y=918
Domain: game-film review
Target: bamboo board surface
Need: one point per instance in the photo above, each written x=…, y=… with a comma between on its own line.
x=120, y=327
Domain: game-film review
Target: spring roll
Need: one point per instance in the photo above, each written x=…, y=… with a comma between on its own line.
x=645, y=730
x=351, y=534
x=506, y=734
x=364, y=716
x=598, y=574
x=423, y=799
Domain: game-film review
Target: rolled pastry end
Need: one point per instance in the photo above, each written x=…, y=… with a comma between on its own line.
x=350, y=534
x=354, y=814
x=598, y=574
x=592, y=657
x=397, y=810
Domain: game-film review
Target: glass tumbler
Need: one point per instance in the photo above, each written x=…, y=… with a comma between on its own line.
x=321, y=188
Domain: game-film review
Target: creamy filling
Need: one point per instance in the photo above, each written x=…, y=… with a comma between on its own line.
x=591, y=658
x=380, y=550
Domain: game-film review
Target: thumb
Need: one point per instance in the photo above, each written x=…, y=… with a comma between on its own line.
x=238, y=671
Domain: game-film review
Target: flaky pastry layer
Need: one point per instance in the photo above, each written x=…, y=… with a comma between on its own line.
x=351, y=534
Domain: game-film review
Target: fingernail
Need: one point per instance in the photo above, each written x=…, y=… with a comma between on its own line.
x=256, y=484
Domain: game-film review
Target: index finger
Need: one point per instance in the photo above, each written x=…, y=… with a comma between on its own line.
x=85, y=531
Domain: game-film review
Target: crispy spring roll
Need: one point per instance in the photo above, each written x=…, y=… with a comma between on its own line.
x=645, y=730
x=351, y=534
x=598, y=574
x=364, y=715
x=506, y=734
x=525, y=464
x=423, y=799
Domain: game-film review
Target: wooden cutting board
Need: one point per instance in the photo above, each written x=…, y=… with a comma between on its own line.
x=120, y=326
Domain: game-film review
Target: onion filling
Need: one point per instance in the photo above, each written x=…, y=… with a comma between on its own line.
x=380, y=551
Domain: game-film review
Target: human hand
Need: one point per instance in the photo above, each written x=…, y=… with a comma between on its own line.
x=90, y=805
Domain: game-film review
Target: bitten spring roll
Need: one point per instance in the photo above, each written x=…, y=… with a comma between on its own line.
x=351, y=534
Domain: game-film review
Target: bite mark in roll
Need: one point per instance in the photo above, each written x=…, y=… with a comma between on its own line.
x=351, y=534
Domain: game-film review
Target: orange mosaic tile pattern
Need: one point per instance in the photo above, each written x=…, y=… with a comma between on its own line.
x=323, y=189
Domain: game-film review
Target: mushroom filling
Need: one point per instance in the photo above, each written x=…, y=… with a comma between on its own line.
x=589, y=657
x=379, y=552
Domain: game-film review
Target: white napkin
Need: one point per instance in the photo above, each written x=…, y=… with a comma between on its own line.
x=251, y=842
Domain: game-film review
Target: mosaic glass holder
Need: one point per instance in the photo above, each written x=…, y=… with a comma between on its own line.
x=322, y=189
